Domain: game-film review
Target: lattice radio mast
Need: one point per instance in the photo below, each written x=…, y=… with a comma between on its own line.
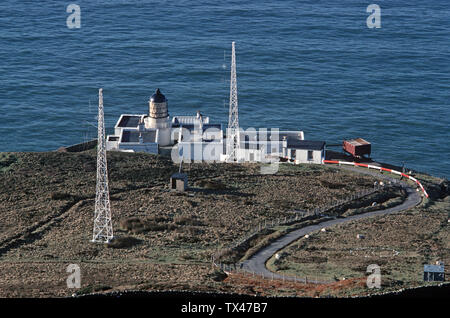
x=233, y=119
x=103, y=231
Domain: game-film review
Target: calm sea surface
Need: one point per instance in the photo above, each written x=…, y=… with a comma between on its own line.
x=308, y=65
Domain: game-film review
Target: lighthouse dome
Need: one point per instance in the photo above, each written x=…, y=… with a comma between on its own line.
x=158, y=105
x=158, y=97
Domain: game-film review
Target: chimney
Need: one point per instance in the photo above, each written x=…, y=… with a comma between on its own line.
x=141, y=125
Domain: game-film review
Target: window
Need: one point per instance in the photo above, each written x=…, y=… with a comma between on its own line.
x=310, y=155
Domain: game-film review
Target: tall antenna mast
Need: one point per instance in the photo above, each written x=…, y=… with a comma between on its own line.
x=233, y=119
x=103, y=231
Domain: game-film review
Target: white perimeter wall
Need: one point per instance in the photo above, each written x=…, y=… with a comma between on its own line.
x=201, y=151
x=137, y=147
x=301, y=156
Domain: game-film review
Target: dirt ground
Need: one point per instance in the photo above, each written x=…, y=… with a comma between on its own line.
x=252, y=285
x=47, y=207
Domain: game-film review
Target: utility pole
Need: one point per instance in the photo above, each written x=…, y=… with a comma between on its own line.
x=233, y=119
x=103, y=231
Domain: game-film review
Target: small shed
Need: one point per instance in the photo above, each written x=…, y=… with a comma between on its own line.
x=178, y=181
x=433, y=273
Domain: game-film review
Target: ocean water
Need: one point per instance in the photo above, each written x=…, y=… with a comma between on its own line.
x=308, y=65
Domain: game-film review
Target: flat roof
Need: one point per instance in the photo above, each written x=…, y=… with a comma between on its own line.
x=129, y=121
x=192, y=126
x=305, y=144
x=269, y=134
x=433, y=268
x=358, y=142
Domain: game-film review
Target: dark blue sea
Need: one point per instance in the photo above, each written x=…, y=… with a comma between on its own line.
x=305, y=65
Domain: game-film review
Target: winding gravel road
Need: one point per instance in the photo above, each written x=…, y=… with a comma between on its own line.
x=257, y=263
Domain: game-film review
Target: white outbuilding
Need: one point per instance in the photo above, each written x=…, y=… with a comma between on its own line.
x=303, y=151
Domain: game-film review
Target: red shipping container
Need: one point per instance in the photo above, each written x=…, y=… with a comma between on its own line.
x=357, y=147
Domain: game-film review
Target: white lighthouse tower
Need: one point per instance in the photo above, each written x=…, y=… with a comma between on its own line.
x=158, y=118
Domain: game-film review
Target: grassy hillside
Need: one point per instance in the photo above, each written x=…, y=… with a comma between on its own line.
x=400, y=244
x=165, y=238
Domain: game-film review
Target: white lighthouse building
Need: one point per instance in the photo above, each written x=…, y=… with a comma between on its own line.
x=201, y=140
x=158, y=118
x=155, y=132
